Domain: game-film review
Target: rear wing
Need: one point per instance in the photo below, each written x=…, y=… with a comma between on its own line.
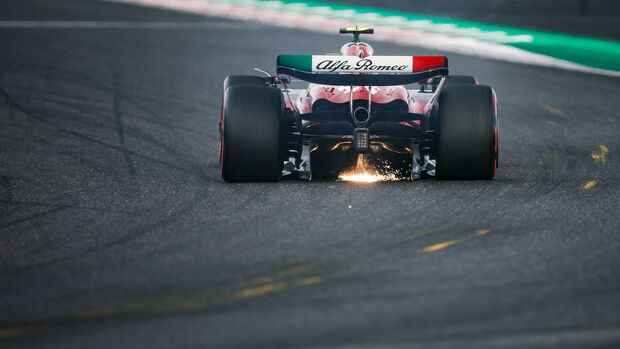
x=369, y=71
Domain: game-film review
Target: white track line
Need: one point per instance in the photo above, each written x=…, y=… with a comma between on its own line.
x=118, y=25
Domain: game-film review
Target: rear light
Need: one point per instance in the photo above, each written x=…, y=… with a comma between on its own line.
x=361, y=139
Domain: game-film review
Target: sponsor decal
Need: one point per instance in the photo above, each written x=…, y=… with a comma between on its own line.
x=384, y=64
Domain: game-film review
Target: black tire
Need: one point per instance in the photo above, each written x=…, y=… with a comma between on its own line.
x=238, y=80
x=243, y=80
x=460, y=80
x=252, y=134
x=467, y=133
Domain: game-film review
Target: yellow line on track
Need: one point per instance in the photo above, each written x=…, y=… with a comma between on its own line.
x=309, y=280
x=587, y=185
x=257, y=291
x=442, y=245
x=599, y=157
x=554, y=111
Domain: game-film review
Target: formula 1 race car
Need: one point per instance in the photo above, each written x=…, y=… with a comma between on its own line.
x=357, y=113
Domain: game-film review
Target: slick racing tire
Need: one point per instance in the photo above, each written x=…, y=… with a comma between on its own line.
x=467, y=133
x=243, y=80
x=238, y=80
x=460, y=80
x=252, y=134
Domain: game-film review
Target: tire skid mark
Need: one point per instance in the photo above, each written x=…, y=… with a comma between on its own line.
x=35, y=139
x=120, y=128
x=140, y=232
x=108, y=170
x=191, y=164
x=53, y=64
x=161, y=120
x=139, y=133
x=6, y=185
x=119, y=149
x=40, y=242
x=195, y=169
x=130, y=235
x=189, y=159
x=37, y=215
x=101, y=114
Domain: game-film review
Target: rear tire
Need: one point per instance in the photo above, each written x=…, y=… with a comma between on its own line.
x=252, y=134
x=467, y=133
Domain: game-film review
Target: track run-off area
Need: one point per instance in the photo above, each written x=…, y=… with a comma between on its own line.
x=116, y=229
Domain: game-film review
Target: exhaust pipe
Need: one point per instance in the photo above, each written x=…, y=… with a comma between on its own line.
x=361, y=115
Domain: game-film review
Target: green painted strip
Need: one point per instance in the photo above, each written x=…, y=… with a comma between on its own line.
x=299, y=62
x=597, y=53
x=591, y=52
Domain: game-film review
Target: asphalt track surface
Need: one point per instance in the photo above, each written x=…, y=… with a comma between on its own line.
x=117, y=231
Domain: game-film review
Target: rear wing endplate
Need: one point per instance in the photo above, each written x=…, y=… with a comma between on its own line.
x=369, y=71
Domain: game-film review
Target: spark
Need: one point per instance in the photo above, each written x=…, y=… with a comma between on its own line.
x=360, y=177
x=363, y=174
